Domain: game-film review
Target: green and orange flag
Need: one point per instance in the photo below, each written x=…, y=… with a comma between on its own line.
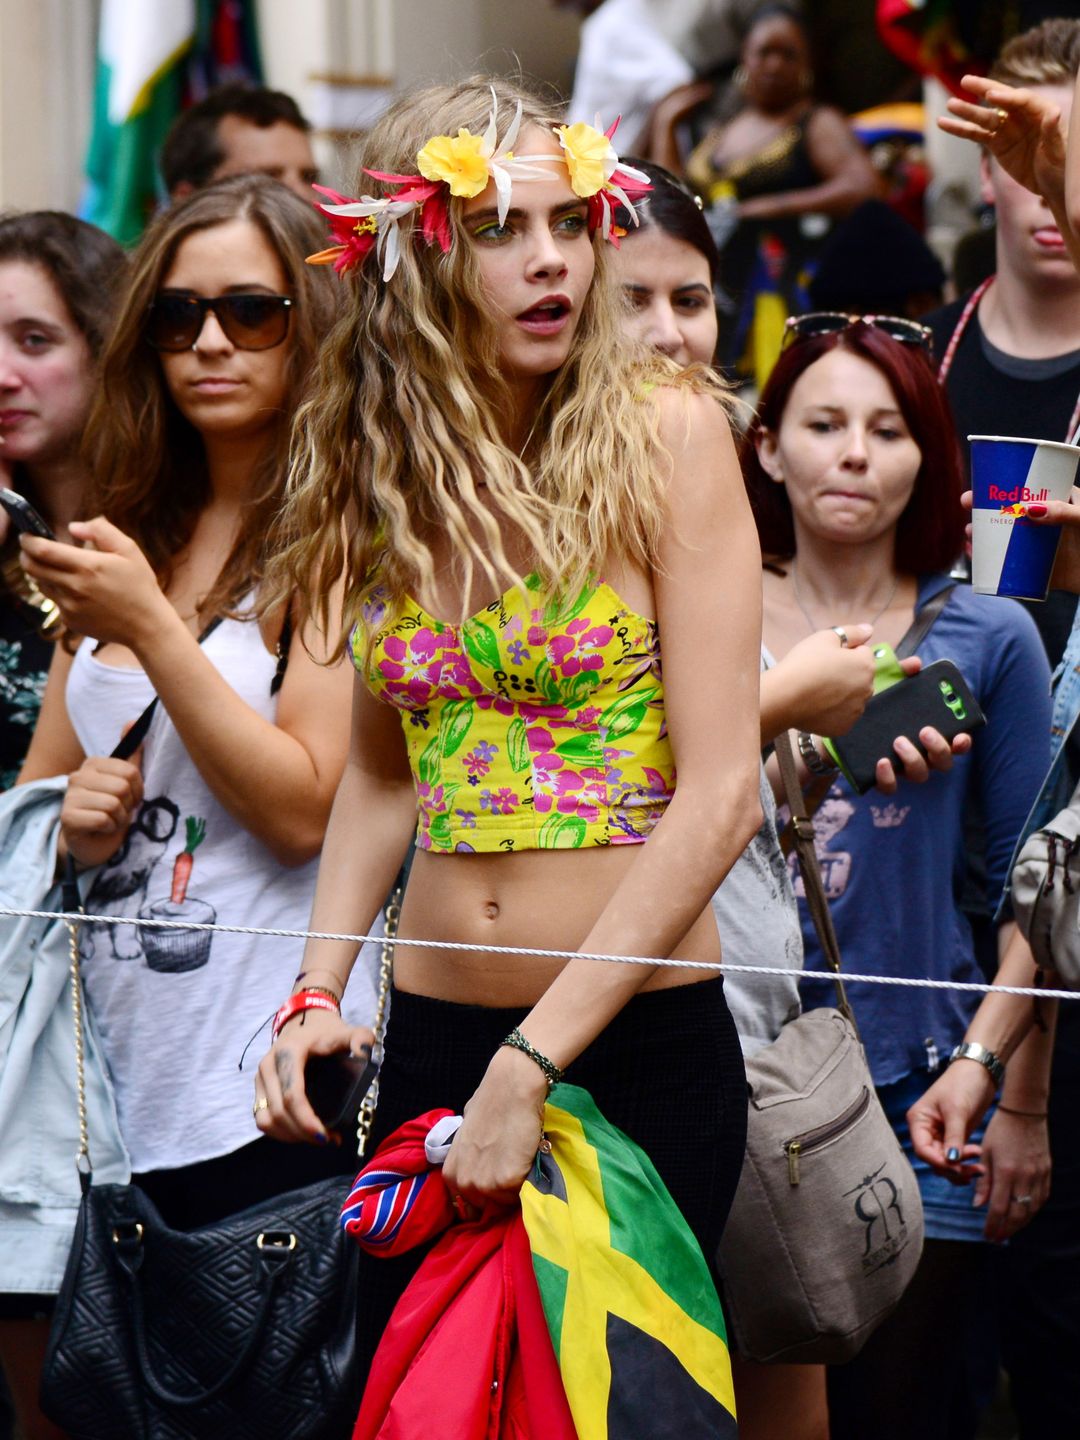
x=629, y=1299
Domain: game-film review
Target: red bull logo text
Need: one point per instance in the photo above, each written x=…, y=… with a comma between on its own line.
x=1019, y=493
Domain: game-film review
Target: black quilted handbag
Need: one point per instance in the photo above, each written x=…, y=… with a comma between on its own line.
x=245, y=1329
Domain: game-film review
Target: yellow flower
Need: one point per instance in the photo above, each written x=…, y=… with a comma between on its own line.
x=588, y=152
x=458, y=160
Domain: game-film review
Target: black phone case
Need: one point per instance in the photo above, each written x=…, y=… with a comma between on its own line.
x=937, y=696
x=336, y=1086
x=23, y=515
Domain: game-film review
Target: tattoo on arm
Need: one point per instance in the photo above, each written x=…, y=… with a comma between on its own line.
x=283, y=1064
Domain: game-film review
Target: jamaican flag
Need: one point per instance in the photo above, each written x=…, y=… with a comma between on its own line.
x=629, y=1300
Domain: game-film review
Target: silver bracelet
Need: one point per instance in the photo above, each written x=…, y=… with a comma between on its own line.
x=813, y=759
x=971, y=1050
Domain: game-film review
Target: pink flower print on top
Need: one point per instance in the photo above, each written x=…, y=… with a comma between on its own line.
x=500, y=802
x=579, y=647
x=477, y=762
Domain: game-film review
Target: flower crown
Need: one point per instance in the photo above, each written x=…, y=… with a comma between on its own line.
x=462, y=166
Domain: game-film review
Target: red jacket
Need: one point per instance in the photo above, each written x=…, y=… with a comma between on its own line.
x=467, y=1353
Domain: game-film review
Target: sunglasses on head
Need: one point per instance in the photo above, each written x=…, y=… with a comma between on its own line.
x=831, y=322
x=250, y=322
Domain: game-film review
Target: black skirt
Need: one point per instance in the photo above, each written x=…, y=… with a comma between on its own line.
x=667, y=1071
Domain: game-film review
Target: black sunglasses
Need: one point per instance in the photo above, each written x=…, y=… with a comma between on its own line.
x=831, y=322
x=250, y=322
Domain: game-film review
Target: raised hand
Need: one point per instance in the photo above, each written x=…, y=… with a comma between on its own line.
x=1020, y=128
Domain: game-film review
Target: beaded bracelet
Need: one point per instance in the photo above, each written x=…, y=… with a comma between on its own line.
x=552, y=1074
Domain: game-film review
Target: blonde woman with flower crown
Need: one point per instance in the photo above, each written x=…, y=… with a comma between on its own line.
x=529, y=514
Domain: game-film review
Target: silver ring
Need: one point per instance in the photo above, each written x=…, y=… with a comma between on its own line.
x=1023, y=1199
x=842, y=633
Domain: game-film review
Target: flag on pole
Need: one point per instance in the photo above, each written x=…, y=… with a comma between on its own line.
x=155, y=57
x=137, y=94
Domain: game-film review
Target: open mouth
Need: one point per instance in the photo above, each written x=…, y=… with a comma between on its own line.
x=547, y=317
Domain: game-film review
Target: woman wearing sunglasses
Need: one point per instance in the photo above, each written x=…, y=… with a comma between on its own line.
x=853, y=470
x=220, y=814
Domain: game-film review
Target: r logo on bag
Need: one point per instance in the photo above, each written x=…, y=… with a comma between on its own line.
x=876, y=1200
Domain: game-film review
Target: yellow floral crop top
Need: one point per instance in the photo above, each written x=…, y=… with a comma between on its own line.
x=530, y=726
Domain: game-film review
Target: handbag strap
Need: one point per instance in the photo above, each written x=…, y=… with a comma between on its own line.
x=924, y=620
x=817, y=903
x=391, y=915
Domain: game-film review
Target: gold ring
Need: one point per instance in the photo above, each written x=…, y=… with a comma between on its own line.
x=262, y=1103
x=842, y=633
x=1023, y=1199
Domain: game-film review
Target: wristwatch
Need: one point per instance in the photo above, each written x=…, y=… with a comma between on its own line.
x=813, y=759
x=971, y=1050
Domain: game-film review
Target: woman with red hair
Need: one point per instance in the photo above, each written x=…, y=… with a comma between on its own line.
x=853, y=472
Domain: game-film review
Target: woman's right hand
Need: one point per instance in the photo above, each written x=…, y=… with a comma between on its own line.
x=678, y=103
x=287, y=1113
x=102, y=798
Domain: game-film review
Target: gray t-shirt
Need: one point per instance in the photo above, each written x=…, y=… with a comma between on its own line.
x=758, y=919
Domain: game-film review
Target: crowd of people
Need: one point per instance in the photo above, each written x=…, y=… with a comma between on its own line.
x=455, y=560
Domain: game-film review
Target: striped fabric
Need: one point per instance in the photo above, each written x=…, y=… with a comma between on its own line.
x=398, y=1201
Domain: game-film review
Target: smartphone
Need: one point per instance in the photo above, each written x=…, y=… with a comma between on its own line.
x=23, y=515
x=336, y=1086
x=938, y=695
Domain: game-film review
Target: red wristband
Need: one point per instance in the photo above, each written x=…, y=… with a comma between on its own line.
x=302, y=1000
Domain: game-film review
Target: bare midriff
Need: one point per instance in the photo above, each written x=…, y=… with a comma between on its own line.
x=549, y=900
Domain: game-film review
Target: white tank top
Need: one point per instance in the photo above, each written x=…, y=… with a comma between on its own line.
x=175, y=1008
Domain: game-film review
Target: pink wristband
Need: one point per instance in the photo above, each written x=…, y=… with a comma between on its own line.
x=303, y=1000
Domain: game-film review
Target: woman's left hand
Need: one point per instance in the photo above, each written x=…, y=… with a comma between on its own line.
x=918, y=767
x=503, y=1126
x=104, y=588
x=1016, y=1176
x=941, y=1121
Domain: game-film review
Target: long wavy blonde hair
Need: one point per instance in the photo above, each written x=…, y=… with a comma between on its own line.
x=408, y=410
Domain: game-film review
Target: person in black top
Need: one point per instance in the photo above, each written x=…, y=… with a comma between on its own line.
x=1016, y=370
x=1009, y=353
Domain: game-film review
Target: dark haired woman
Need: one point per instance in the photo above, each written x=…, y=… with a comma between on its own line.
x=58, y=279
x=221, y=813
x=853, y=470
x=772, y=178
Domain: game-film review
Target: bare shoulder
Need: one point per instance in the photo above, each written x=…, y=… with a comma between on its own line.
x=826, y=120
x=690, y=418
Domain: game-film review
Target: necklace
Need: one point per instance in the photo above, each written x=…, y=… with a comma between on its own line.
x=810, y=619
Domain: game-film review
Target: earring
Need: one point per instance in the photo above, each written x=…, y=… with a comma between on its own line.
x=740, y=76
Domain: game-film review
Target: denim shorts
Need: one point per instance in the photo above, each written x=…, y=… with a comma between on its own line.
x=947, y=1208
